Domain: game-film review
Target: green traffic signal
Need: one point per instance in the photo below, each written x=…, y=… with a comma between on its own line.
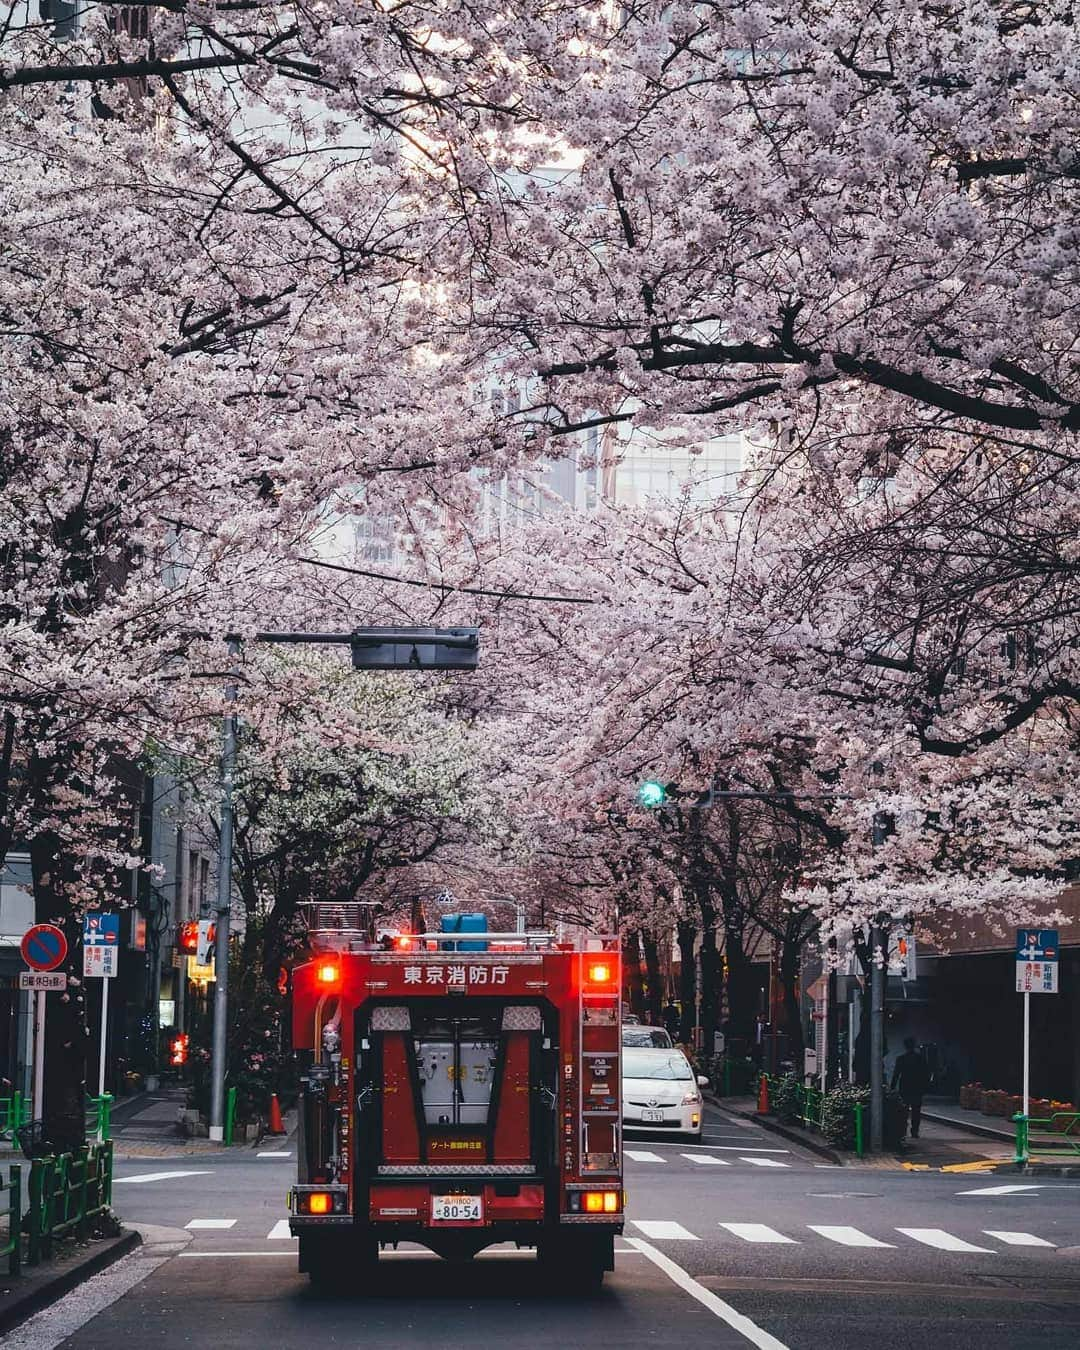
x=651, y=794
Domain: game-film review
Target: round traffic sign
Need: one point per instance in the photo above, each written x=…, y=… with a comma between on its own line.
x=44, y=947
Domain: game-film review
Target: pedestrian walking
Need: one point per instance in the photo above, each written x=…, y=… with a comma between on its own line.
x=911, y=1079
x=672, y=1017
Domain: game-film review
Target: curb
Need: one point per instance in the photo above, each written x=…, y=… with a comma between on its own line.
x=42, y=1292
x=792, y=1136
x=984, y=1131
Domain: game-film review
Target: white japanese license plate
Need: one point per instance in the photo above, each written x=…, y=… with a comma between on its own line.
x=653, y=1117
x=457, y=1208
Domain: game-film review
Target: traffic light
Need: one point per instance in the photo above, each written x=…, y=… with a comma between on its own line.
x=187, y=937
x=652, y=794
x=178, y=1050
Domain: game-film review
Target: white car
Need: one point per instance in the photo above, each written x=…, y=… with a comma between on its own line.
x=659, y=1092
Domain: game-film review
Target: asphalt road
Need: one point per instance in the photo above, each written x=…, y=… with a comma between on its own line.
x=762, y=1245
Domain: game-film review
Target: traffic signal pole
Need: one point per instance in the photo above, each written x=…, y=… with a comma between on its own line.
x=219, y=1052
x=372, y=649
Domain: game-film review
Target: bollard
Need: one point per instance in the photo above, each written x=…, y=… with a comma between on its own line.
x=1022, y=1146
x=230, y=1114
x=858, y=1129
x=763, y=1095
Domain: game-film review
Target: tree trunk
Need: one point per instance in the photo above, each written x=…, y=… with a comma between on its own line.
x=64, y=1111
x=687, y=935
x=789, y=984
x=710, y=989
x=654, y=989
x=635, y=991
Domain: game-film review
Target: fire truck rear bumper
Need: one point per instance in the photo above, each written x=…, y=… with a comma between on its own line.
x=502, y=1202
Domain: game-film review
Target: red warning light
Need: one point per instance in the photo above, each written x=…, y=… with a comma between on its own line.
x=328, y=973
x=599, y=973
x=178, y=1050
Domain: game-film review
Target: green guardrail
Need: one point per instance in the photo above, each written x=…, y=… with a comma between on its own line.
x=99, y=1117
x=14, y=1113
x=67, y=1192
x=1055, y=1136
x=11, y=1247
x=798, y=1102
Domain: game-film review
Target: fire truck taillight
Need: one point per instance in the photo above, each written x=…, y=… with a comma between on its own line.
x=599, y=972
x=328, y=973
x=594, y=1202
x=319, y=1202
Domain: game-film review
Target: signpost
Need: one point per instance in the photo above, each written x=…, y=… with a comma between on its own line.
x=44, y=947
x=1036, y=973
x=101, y=948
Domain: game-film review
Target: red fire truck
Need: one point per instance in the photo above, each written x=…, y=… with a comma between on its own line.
x=456, y=1092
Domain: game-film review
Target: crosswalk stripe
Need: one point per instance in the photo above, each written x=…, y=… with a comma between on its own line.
x=642, y=1155
x=764, y=1162
x=707, y=1158
x=211, y=1223
x=663, y=1228
x=155, y=1176
x=280, y=1230
x=757, y=1232
x=1019, y=1239
x=937, y=1237
x=847, y=1237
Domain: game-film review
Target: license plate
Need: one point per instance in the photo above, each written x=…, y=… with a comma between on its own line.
x=653, y=1117
x=457, y=1208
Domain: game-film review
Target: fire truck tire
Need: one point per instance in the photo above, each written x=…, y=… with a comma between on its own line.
x=344, y=1263
x=576, y=1265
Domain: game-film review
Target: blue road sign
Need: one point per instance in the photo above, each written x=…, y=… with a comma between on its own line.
x=101, y=930
x=1037, y=944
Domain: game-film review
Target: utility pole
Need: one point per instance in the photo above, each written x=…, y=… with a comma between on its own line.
x=224, y=907
x=879, y=938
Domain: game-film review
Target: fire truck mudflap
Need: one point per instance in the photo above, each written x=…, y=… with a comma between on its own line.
x=458, y=1098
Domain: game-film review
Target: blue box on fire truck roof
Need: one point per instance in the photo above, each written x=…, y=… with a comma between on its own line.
x=463, y=923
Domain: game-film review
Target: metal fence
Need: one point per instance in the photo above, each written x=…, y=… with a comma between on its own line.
x=11, y=1246
x=1048, y=1138
x=66, y=1194
x=15, y=1113
x=798, y=1102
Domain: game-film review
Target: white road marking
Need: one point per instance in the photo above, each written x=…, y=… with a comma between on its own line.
x=746, y=1148
x=757, y=1232
x=273, y=1155
x=764, y=1162
x=642, y=1155
x=1019, y=1239
x=280, y=1230
x=847, y=1237
x=734, y=1319
x=998, y=1190
x=707, y=1159
x=210, y=1223
x=945, y=1242
x=663, y=1228
x=156, y=1176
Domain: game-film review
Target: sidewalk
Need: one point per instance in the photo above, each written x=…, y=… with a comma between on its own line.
x=974, y=1122
x=39, y=1286
x=941, y=1144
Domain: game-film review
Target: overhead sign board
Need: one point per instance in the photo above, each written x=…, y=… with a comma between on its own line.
x=1037, y=960
x=99, y=961
x=101, y=930
x=44, y=947
x=43, y=981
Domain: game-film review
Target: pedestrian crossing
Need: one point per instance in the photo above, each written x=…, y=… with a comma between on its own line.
x=751, y=1234
x=644, y=1155
x=842, y=1235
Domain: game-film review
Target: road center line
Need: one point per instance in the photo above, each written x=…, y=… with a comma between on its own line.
x=734, y=1319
